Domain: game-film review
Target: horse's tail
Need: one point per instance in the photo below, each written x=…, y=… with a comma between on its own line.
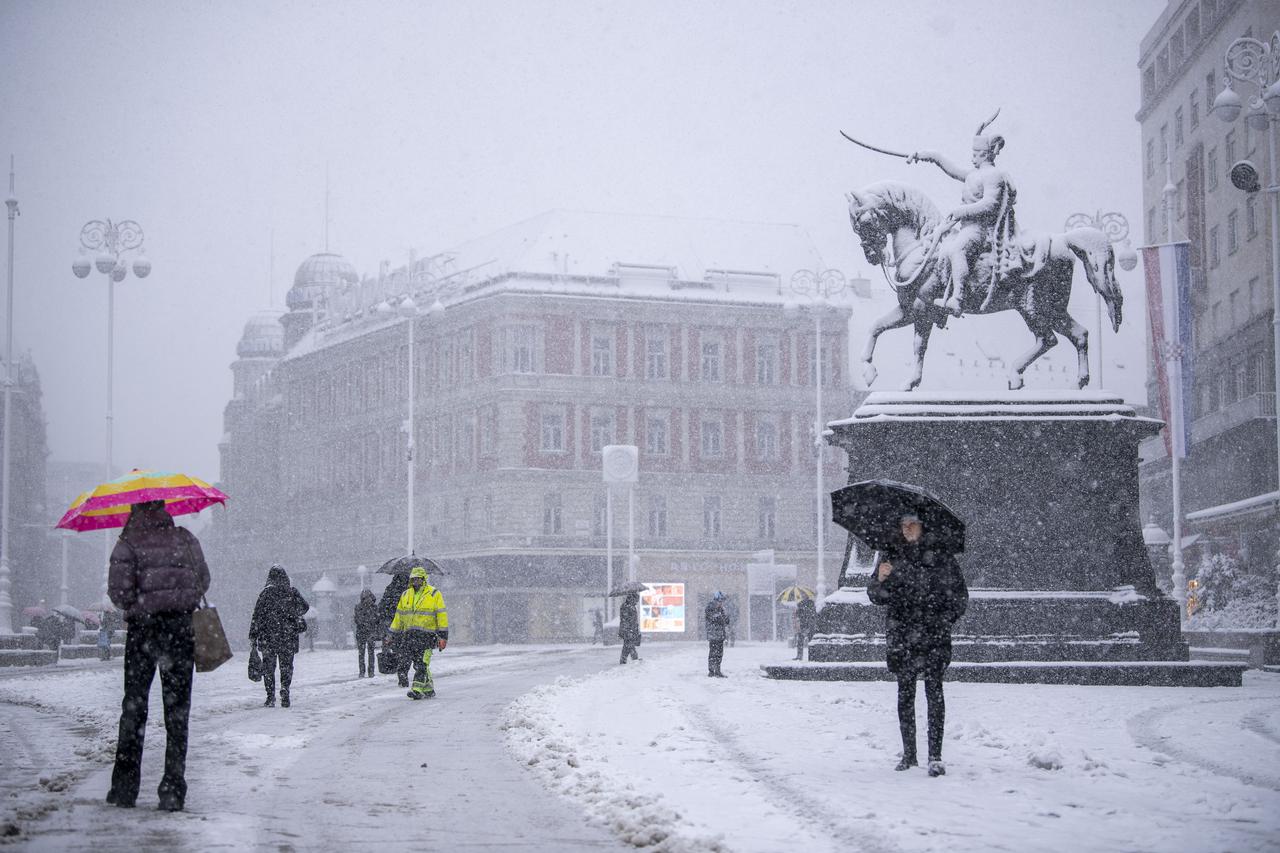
x=1094, y=250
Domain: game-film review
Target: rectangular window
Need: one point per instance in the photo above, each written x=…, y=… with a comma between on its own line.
x=712, y=430
x=1216, y=314
x=767, y=366
x=1213, y=250
x=712, y=360
x=1164, y=143
x=1180, y=199
x=552, y=420
x=1210, y=87
x=1151, y=158
x=767, y=439
x=1251, y=216
x=488, y=429
x=767, y=518
x=520, y=349
x=1175, y=50
x=466, y=355
x=657, y=515
x=602, y=429
x=1194, y=115
x=1211, y=169
x=602, y=343
x=655, y=354
x=1151, y=225
x=1177, y=128
x=711, y=516
x=552, y=516
x=1233, y=233
x=1229, y=148
x=1193, y=28
x=1255, y=297
x=1234, y=308
x=657, y=429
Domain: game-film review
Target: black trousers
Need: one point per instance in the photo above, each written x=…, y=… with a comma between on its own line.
x=630, y=649
x=937, y=710
x=269, y=658
x=714, y=656
x=365, y=645
x=162, y=643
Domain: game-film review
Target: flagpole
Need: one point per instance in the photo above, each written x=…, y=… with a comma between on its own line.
x=1173, y=356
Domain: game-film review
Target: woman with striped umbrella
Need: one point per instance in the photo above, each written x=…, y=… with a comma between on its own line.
x=806, y=618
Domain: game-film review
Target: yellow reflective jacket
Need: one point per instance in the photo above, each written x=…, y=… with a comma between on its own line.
x=423, y=611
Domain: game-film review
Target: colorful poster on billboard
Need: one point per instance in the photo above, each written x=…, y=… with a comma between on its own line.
x=662, y=608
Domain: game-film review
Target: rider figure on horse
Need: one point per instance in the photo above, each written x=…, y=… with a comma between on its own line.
x=983, y=220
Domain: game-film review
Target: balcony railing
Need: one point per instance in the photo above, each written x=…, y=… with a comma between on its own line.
x=1261, y=405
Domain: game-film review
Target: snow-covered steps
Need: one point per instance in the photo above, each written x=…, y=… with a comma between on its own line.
x=24, y=650
x=1125, y=673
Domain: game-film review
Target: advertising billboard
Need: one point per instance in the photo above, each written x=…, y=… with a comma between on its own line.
x=662, y=608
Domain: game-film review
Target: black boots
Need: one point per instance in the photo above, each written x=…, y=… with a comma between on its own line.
x=907, y=763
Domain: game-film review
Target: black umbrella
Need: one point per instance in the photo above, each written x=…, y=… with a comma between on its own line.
x=629, y=588
x=873, y=509
x=406, y=564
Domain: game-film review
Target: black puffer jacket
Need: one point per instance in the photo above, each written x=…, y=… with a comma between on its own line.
x=717, y=621
x=629, y=619
x=391, y=598
x=367, y=619
x=924, y=595
x=277, y=616
x=156, y=566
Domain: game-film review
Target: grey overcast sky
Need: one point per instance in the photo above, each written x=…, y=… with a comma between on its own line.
x=212, y=125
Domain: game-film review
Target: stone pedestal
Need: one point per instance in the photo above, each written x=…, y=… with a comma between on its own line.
x=1048, y=486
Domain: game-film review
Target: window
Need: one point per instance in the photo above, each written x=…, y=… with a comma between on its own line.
x=488, y=513
x=552, y=516
x=1213, y=251
x=466, y=349
x=657, y=515
x=552, y=421
x=488, y=429
x=1251, y=216
x=1164, y=143
x=1151, y=224
x=1229, y=148
x=712, y=359
x=602, y=342
x=1193, y=29
x=1234, y=308
x=655, y=354
x=599, y=515
x=712, y=430
x=1151, y=158
x=767, y=518
x=1177, y=128
x=767, y=362
x=767, y=439
x=711, y=516
x=1233, y=234
x=1216, y=315
x=602, y=429
x=1148, y=82
x=466, y=438
x=1255, y=297
x=520, y=349
x=1210, y=88
x=1211, y=169
x=657, y=428
x=1176, y=49
x=1180, y=199
x=1194, y=115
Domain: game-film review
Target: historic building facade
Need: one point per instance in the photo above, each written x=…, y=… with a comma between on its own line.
x=1229, y=478
x=534, y=348
x=31, y=575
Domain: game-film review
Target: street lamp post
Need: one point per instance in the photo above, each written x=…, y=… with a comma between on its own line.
x=115, y=244
x=819, y=288
x=1116, y=228
x=6, y=602
x=1257, y=64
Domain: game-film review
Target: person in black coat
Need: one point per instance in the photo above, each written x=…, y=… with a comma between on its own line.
x=806, y=625
x=368, y=630
x=277, y=621
x=386, y=612
x=920, y=584
x=717, y=621
x=629, y=627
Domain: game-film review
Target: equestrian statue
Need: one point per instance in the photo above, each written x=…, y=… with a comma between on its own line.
x=975, y=260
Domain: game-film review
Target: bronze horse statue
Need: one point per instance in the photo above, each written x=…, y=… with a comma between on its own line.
x=1039, y=288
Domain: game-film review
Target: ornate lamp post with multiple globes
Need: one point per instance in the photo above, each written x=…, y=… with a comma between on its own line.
x=114, y=245
x=1116, y=227
x=819, y=288
x=1257, y=64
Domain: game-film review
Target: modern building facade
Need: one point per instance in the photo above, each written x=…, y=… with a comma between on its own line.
x=1229, y=479
x=544, y=343
x=28, y=521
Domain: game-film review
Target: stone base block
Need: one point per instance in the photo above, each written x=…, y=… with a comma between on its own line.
x=27, y=657
x=86, y=652
x=1100, y=673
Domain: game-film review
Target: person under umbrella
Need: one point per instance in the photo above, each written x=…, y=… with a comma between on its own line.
x=422, y=624
x=386, y=613
x=277, y=620
x=920, y=584
x=629, y=627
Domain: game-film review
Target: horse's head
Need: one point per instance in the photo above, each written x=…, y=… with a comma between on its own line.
x=868, y=222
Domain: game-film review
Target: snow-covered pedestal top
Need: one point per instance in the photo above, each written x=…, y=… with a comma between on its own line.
x=992, y=405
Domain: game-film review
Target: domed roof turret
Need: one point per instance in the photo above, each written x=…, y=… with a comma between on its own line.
x=320, y=272
x=263, y=336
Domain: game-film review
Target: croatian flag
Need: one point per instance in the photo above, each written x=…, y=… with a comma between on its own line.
x=1168, y=274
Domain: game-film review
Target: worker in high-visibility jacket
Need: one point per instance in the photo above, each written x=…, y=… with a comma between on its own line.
x=421, y=625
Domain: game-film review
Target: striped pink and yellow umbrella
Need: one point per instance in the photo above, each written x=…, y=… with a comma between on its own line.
x=108, y=505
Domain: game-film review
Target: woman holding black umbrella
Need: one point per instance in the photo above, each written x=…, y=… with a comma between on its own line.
x=920, y=583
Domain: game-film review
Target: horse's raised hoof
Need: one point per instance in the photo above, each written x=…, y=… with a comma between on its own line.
x=911, y=384
x=869, y=373
x=1015, y=382
x=1084, y=382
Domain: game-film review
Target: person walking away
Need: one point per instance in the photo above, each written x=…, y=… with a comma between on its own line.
x=629, y=627
x=368, y=629
x=717, y=630
x=156, y=578
x=277, y=621
x=806, y=625
x=104, y=640
x=924, y=592
x=421, y=625
x=597, y=627
x=387, y=611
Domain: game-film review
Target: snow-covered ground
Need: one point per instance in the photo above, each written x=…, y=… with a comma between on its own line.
x=666, y=756
x=558, y=748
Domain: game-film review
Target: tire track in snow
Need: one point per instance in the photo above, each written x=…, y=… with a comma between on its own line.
x=1143, y=729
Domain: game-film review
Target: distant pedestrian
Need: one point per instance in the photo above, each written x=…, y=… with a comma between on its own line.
x=368, y=630
x=806, y=625
x=277, y=621
x=387, y=611
x=104, y=641
x=717, y=620
x=920, y=583
x=629, y=627
x=157, y=577
x=421, y=625
x=597, y=627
